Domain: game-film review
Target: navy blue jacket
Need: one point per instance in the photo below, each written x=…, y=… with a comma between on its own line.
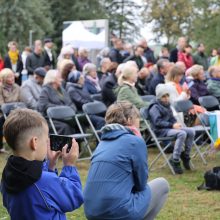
x=157, y=79
x=161, y=118
x=116, y=186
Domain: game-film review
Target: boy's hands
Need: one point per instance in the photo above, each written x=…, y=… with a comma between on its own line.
x=52, y=156
x=69, y=158
x=177, y=126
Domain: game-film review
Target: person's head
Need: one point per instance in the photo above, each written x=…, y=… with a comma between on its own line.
x=197, y=72
x=39, y=74
x=83, y=52
x=53, y=77
x=182, y=42
x=163, y=66
x=162, y=93
x=119, y=69
x=143, y=73
x=124, y=113
x=90, y=70
x=139, y=51
x=214, y=52
x=143, y=43
x=214, y=71
x=175, y=74
x=66, y=67
x=7, y=76
x=181, y=65
x=118, y=44
x=128, y=47
x=76, y=77
x=27, y=50
x=66, y=52
x=26, y=133
x=38, y=46
x=187, y=49
x=128, y=74
x=48, y=43
x=201, y=48
x=105, y=64
x=12, y=46
x=165, y=52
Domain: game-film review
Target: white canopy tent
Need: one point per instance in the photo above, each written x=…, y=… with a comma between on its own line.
x=77, y=36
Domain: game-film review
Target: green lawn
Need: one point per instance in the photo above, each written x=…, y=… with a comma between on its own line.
x=185, y=202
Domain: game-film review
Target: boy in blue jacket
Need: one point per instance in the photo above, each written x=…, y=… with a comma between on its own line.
x=165, y=124
x=30, y=187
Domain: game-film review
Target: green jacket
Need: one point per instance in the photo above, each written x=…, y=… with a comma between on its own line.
x=213, y=86
x=129, y=93
x=201, y=59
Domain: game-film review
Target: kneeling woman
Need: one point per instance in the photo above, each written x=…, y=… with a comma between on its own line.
x=116, y=187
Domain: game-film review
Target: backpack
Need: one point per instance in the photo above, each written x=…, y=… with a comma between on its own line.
x=212, y=180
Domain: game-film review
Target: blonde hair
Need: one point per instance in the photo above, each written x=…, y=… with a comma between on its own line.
x=5, y=73
x=127, y=71
x=88, y=68
x=121, y=112
x=195, y=70
x=62, y=63
x=50, y=77
x=173, y=73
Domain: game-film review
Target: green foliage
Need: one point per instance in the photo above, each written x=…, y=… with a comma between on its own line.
x=171, y=18
x=123, y=17
x=17, y=17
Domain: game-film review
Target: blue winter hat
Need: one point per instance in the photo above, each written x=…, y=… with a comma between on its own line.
x=74, y=76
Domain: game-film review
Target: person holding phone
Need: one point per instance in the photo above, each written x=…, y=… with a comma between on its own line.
x=30, y=186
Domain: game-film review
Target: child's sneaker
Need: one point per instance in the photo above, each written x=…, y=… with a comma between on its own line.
x=176, y=166
x=186, y=160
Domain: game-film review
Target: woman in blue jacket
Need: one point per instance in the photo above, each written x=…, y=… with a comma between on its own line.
x=116, y=187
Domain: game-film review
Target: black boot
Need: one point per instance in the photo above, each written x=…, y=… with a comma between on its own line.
x=186, y=160
x=176, y=166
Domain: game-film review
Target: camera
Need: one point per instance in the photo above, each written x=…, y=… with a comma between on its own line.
x=57, y=142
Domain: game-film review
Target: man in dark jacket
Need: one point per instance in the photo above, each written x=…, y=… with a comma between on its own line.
x=49, y=57
x=36, y=59
x=162, y=67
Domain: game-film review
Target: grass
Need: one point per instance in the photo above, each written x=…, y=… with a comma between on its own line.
x=185, y=202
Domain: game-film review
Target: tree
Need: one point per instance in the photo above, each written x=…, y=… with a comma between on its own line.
x=124, y=18
x=17, y=17
x=170, y=18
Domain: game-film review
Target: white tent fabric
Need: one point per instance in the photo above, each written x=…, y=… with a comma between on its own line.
x=77, y=36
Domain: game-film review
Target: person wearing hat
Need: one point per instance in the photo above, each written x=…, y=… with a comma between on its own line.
x=30, y=90
x=49, y=57
x=165, y=124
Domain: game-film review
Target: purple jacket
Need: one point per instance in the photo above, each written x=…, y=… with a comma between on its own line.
x=198, y=89
x=82, y=62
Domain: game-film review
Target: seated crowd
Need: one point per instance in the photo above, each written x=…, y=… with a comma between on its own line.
x=121, y=77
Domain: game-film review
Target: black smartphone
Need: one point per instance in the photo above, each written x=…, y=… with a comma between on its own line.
x=57, y=142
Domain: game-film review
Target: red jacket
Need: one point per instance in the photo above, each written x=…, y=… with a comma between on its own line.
x=186, y=58
x=1, y=64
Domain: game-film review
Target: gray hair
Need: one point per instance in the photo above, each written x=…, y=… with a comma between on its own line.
x=88, y=68
x=161, y=62
x=105, y=60
x=50, y=76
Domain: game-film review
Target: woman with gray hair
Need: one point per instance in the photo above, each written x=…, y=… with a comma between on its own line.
x=53, y=94
x=119, y=171
x=91, y=84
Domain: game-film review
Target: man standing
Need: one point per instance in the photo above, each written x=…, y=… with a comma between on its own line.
x=49, y=58
x=200, y=58
x=36, y=59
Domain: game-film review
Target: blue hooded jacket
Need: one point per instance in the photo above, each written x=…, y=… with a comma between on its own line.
x=116, y=186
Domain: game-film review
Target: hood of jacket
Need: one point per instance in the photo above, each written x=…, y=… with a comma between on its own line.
x=20, y=173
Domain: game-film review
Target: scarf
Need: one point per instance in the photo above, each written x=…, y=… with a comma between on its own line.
x=20, y=173
x=95, y=82
x=13, y=56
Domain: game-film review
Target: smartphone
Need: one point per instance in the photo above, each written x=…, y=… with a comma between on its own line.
x=190, y=84
x=57, y=142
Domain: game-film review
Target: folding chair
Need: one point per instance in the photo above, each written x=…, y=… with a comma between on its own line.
x=66, y=113
x=94, y=108
x=148, y=98
x=184, y=106
x=6, y=108
x=157, y=141
x=97, y=97
x=209, y=102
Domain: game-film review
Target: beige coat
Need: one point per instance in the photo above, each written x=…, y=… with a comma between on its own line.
x=7, y=95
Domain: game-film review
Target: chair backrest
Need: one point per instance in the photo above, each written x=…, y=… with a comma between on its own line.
x=209, y=102
x=148, y=98
x=94, y=108
x=97, y=97
x=60, y=112
x=8, y=107
x=183, y=105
